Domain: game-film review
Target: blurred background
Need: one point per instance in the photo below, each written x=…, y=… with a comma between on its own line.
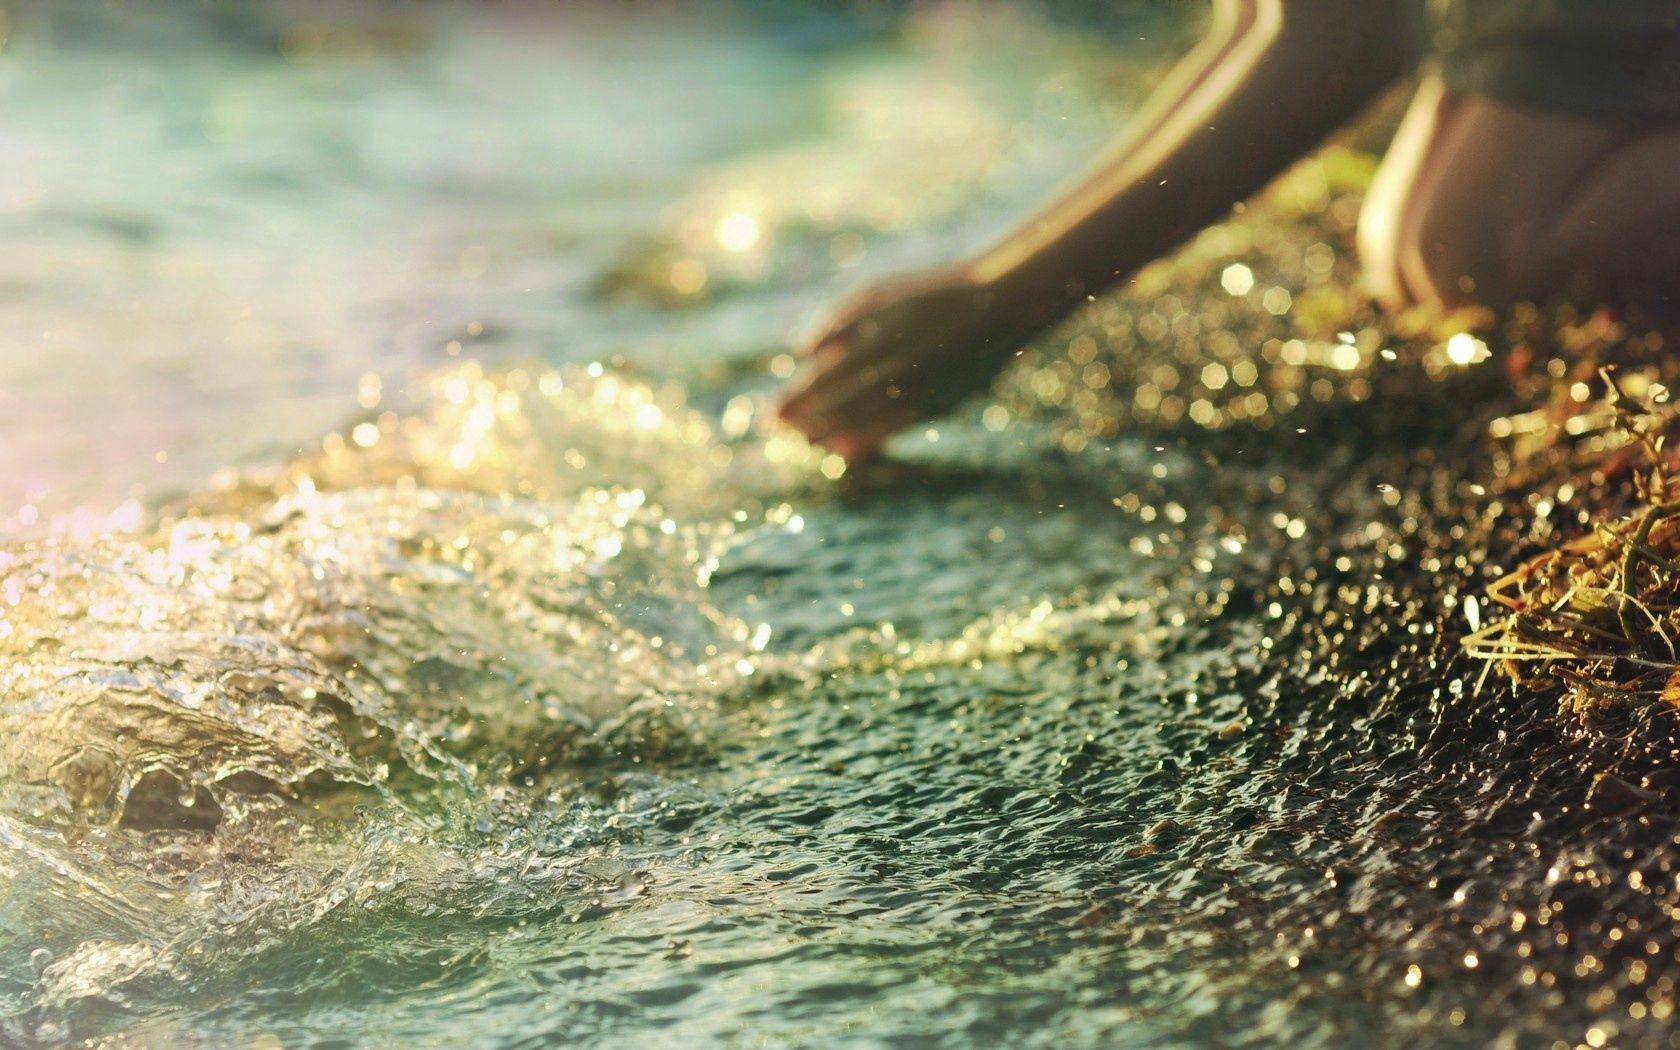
x=229, y=228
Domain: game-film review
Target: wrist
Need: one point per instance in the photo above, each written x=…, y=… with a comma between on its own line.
x=1024, y=296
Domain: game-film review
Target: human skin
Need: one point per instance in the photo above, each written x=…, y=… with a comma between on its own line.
x=1476, y=201
x=1480, y=202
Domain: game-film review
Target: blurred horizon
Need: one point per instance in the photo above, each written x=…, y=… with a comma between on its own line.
x=236, y=228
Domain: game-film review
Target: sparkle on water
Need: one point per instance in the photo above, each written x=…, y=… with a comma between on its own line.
x=1125, y=708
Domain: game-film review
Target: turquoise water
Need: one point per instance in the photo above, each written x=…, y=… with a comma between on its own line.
x=549, y=698
x=260, y=219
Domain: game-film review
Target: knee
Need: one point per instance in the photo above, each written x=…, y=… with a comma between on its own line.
x=1378, y=243
x=1412, y=254
x=1422, y=249
x=1452, y=260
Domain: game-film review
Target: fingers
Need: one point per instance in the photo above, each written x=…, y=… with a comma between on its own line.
x=832, y=332
x=857, y=445
x=860, y=386
x=836, y=374
x=846, y=394
x=856, y=408
x=854, y=416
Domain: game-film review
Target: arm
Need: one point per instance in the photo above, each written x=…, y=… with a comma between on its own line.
x=1270, y=80
x=1273, y=79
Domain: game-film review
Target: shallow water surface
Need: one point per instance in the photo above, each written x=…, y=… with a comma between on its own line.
x=557, y=701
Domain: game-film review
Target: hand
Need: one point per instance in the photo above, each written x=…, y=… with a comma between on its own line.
x=898, y=353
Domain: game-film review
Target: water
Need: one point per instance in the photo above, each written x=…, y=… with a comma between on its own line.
x=551, y=699
x=260, y=222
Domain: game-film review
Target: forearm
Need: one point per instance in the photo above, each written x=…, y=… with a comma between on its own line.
x=1269, y=83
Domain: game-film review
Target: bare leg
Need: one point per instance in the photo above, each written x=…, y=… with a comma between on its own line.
x=1482, y=202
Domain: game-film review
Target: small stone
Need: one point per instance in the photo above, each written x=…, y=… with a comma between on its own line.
x=1162, y=831
x=1612, y=792
x=1097, y=916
